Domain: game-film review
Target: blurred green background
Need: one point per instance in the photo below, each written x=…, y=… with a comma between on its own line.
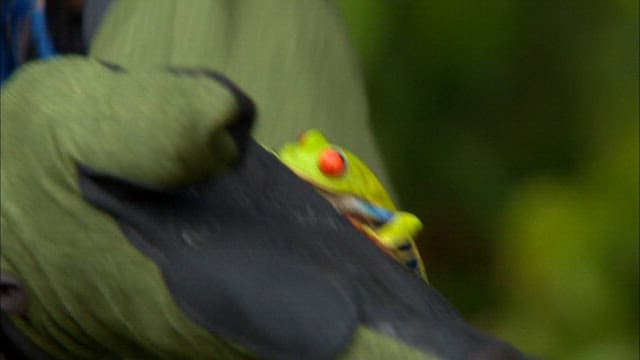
x=511, y=129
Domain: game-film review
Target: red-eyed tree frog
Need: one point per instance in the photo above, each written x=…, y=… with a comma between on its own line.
x=353, y=189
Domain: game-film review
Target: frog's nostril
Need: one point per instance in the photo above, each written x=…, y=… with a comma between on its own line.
x=301, y=136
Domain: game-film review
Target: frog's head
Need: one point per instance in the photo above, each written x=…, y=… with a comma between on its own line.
x=332, y=168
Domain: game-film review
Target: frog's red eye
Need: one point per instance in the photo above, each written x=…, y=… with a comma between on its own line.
x=331, y=162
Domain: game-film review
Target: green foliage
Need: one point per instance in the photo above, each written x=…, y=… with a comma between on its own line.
x=511, y=128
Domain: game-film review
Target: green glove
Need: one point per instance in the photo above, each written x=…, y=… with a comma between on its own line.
x=89, y=290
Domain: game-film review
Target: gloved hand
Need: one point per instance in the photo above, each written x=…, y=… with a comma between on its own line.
x=140, y=220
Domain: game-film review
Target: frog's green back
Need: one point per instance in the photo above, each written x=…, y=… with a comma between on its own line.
x=371, y=189
x=291, y=57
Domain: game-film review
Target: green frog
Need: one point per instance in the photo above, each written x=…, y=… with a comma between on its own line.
x=354, y=190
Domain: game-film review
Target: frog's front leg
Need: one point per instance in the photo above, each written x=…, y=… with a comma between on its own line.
x=392, y=228
x=397, y=236
x=400, y=227
x=394, y=231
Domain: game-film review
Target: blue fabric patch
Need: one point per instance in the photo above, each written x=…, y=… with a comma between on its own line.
x=15, y=15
